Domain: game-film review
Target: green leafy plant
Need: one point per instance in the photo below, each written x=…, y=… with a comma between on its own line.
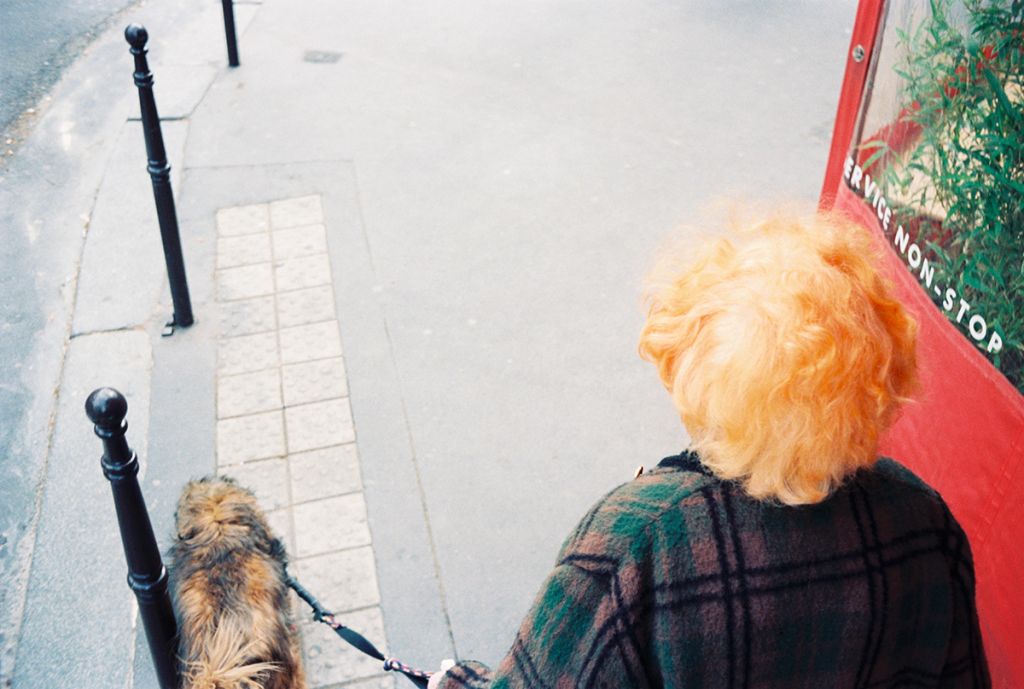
x=961, y=182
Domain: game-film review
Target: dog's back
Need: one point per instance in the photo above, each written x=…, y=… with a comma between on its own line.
x=228, y=582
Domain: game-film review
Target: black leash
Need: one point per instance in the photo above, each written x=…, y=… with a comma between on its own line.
x=354, y=638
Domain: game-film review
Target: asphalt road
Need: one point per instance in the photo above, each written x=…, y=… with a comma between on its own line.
x=39, y=38
x=47, y=190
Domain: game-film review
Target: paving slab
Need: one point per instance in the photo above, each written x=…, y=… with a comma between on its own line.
x=306, y=306
x=325, y=472
x=247, y=317
x=328, y=662
x=248, y=393
x=248, y=353
x=348, y=576
x=296, y=242
x=243, y=250
x=243, y=220
x=267, y=479
x=250, y=437
x=318, y=425
x=310, y=342
x=314, y=381
x=330, y=524
x=245, y=282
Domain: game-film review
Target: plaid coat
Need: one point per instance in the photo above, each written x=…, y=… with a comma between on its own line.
x=680, y=580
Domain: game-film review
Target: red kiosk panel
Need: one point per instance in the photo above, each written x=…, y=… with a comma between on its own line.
x=928, y=156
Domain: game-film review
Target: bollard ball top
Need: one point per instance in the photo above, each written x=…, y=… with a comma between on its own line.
x=136, y=35
x=106, y=407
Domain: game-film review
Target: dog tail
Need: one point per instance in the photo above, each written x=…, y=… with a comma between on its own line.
x=226, y=662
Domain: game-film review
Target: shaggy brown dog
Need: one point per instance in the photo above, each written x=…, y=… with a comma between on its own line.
x=228, y=582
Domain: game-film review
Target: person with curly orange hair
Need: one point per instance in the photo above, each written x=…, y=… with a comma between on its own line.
x=779, y=551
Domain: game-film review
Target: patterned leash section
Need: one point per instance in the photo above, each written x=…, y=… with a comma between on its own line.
x=355, y=639
x=418, y=676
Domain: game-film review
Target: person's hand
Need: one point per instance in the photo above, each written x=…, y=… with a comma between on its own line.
x=435, y=679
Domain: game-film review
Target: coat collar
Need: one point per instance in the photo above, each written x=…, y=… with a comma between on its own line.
x=687, y=460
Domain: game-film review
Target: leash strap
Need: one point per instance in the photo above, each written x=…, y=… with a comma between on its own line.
x=354, y=638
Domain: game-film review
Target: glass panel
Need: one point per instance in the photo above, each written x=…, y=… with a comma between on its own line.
x=939, y=153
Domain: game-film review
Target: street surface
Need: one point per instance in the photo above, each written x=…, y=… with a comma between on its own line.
x=479, y=189
x=39, y=39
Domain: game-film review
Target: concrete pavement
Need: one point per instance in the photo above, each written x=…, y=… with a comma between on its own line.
x=494, y=179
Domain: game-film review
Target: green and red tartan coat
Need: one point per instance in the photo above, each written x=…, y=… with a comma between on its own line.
x=680, y=580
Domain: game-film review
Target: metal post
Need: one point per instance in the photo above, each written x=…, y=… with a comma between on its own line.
x=229, y=31
x=147, y=576
x=160, y=173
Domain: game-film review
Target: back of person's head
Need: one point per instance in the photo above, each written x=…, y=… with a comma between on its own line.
x=785, y=353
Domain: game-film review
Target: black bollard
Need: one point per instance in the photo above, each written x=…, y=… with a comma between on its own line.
x=147, y=576
x=229, y=31
x=160, y=173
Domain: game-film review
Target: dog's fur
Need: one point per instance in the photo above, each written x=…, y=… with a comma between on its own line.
x=228, y=582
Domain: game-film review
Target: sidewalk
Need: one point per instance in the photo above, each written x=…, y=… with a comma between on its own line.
x=415, y=239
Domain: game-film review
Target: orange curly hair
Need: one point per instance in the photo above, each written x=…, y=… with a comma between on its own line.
x=785, y=353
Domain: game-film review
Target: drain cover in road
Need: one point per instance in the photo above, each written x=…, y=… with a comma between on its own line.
x=321, y=56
